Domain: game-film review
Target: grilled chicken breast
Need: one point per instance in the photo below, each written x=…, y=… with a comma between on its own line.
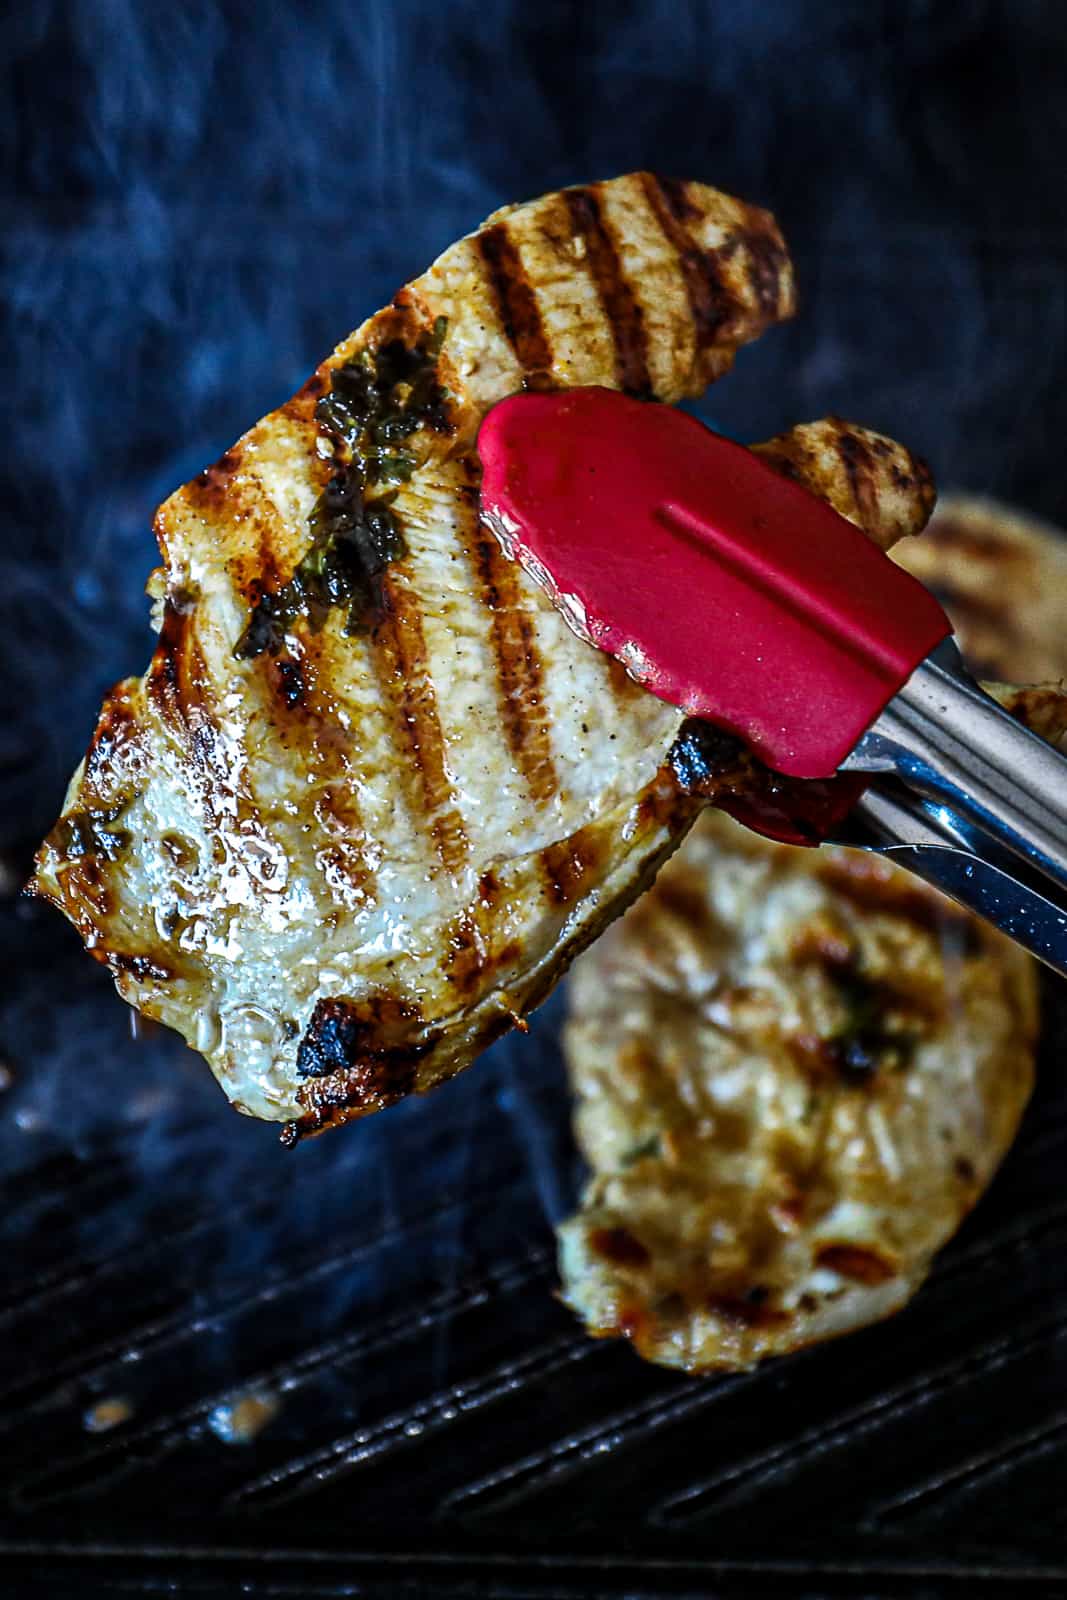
x=797, y=1070
x=372, y=795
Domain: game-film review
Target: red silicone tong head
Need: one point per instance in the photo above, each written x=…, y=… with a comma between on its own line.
x=722, y=587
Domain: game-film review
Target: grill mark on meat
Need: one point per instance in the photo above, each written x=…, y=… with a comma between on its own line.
x=860, y=470
x=785, y=466
x=466, y=956
x=139, y=966
x=624, y=689
x=868, y=885
x=399, y=650
x=519, y=671
x=989, y=548
x=356, y=1059
x=116, y=741
x=301, y=407
x=306, y=727
x=516, y=303
x=675, y=193
x=619, y=303
x=469, y=951
x=710, y=302
x=981, y=612
x=766, y=261
x=210, y=490
x=176, y=664
x=566, y=865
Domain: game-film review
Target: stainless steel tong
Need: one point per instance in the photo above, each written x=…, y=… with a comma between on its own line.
x=971, y=801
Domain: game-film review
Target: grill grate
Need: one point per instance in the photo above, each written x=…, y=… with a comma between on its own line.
x=428, y=1410
x=378, y=1305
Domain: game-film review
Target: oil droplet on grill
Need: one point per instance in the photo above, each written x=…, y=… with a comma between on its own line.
x=106, y=1414
x=238, y=1421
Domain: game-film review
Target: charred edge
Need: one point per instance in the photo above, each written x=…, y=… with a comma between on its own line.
x=516, y=302
x=566, y=866
x=860, y=469
x=706, y=761
x=618, y=1246
x=116, y=727
x=916, y=479
x=714, y=766
x=766, y=262
x=347, y=1035
x=520, y=677
x=400, y=652
x=617, y=298
x=785, y=465
x=209, y=488
x=664, y=803
x=138, y=966
x=168, y=677
x=710, y=303
x=85, y=897
x=857, y=1262
x=301, y=406
x=675, y=196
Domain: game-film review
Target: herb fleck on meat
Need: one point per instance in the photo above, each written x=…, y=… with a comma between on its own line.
x=377, y=400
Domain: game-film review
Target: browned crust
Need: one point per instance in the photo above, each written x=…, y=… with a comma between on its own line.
x=516, y=303
x=620, y=304
x=399, y=648
x=519, y=669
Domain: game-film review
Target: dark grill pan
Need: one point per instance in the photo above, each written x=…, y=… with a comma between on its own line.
x=226, y=1369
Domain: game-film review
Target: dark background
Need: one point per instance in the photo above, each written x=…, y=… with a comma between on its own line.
x=198, y=201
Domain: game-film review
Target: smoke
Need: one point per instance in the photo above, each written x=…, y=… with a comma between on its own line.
x=200, y=199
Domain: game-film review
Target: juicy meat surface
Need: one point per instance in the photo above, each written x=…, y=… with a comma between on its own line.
x=796, y=1071
x=341, y=863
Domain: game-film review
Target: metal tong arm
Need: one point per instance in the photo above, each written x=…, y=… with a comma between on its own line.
x=945, y=738
x=951, y=855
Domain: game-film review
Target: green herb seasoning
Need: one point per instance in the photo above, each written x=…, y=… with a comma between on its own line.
x=376, y=401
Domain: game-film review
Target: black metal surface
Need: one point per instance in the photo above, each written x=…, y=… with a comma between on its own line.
x=199, y=200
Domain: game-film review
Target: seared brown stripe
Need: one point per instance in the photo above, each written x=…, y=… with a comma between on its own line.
x=859, y=468
x=400, y=654
x=970, y=541
x=210, y=488
x=623, y=687
x=710, y=302
x=516, y=302
x=566, y=866
x=617, y=298
x=173, y=676
x=766, y=262
x=518, y=665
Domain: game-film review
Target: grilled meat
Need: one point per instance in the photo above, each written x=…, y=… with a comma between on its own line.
x=796, y=1071
x=372, y=795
